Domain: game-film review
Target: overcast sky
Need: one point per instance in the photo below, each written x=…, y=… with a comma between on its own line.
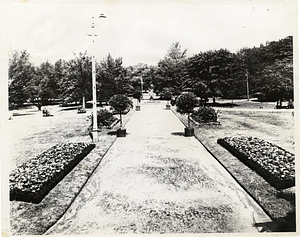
x=142, y=31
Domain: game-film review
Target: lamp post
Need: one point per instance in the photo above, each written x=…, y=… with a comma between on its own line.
x=247, y=78
x=247, y=85
x=95, y=123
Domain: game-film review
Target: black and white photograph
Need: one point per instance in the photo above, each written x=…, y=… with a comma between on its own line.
x=149, y=117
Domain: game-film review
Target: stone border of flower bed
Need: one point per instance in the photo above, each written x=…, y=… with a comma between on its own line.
x=34, y=179
x=275, y=180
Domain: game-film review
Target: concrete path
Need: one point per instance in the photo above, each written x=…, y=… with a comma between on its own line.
x=155, y=180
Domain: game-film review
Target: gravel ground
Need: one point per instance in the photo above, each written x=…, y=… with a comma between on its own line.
x=155, y=180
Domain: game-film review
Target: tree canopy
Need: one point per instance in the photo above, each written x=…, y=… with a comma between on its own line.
x=268, y=70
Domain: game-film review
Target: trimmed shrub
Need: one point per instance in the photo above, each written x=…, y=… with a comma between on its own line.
x=186, y=102
x=120, y=103
x=137, y=94
x=104, y=118
x=205, y=114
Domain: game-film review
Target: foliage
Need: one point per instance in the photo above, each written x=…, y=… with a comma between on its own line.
x=140, y=73
x=171, y=70
x=214, y=73
x=167, y=93
x=20, y=73
x=77, y=84
x=60, y=74
x=120, y=103
x=43, y=86
x=137, y=94
x=104, y=118
x=112, y=79
x=186, y=102
x=205, y=114
x=268, y=69
x=32, y=84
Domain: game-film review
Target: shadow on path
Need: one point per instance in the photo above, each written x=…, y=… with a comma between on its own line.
x=177, y=133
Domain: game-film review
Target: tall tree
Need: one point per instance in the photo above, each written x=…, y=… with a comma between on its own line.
x=60, y=73
x=20, y=73
x=140, y=74
x=77, y=84
x=43, y=86
x=112, y=78
x=171, y=69
x=270, y=68
x=214, y=73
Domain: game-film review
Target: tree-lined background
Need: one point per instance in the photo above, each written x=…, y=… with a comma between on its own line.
x=208, y=74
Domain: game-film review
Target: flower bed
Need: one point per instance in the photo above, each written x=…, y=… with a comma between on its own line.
x=33, y=180
x=273, y=163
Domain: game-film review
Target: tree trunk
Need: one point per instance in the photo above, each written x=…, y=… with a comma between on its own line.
x=120, y=120
x=38, y=105
x=189, y=120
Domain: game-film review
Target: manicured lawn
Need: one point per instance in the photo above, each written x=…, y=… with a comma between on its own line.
x=31, y=135
x=270, y=125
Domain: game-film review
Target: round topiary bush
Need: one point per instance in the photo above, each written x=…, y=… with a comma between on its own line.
x=205, y=114
x=120, y=103
x=137, y=94
x=186, y=103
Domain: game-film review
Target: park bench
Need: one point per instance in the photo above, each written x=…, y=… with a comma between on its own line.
x=284, y=105
x=46, y=113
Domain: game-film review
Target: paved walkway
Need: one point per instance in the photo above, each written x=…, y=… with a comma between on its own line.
x=155, y=180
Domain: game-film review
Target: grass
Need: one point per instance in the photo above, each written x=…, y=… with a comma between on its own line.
x=243, y=103
x=32, y=134
x=274, y=126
